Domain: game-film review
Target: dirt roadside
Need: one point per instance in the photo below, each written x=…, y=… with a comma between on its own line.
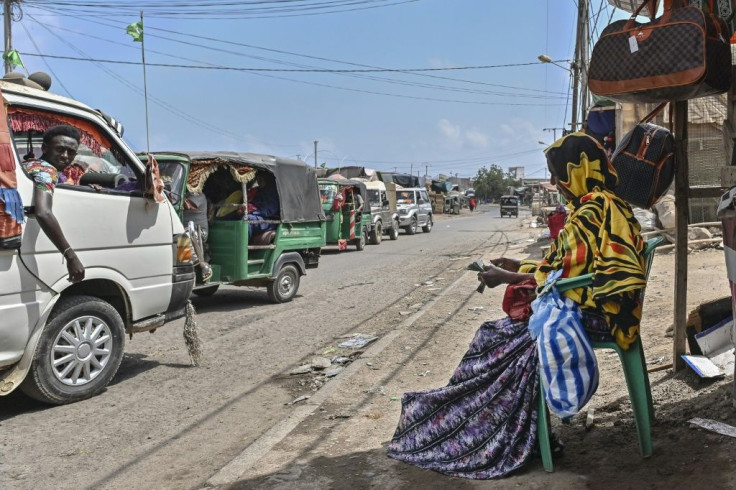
x=342, y=443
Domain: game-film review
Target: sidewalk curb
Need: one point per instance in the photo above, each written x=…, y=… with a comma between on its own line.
x=231, y=472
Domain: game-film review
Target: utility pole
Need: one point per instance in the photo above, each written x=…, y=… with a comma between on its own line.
x=554, y=131
x=411, y=169
x=7, y=19
x=315, y=153
x=581, y=54
x=426, y=169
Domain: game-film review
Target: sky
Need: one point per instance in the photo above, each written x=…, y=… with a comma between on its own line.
x=442, y=122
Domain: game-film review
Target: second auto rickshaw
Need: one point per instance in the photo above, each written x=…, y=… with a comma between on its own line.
x=256, y=220
x=347, y=211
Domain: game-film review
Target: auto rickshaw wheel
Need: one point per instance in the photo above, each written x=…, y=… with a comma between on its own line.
x=360, y=242
x=393, y=233
x=285, y=286
x=412, y=228
x=377, y=233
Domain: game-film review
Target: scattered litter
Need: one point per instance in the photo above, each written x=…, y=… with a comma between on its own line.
x=656, y=361
x=417, y=285
x=533, y=224
x=378, y=390
x=299, y=399
x=439, y=279
x=433, y=289
x=714, y=426
x=321, y=363
x=590, y=419
x=416, y=306
x=703, y=366
x=405, y=313
x=374, y=416
x=424, y=373
x=355, y=285
x=303, y=369
x=393, y=398
x=341, y=360
x=357, y=341
x=328, y=350
x=464, y=257
x=544, y=234
x=369, y=364
x=339, y=416
x=331, y=373
x=476, y=308
x=428, y=283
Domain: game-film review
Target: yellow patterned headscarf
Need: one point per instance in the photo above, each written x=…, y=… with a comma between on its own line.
x=600, y=236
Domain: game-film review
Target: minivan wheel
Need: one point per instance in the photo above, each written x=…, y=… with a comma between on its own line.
x=285, y=286
x=412, y=228
x=393, y=233
x=79, y=352
x=206, y=291
x=428, y=226
x=377, y=233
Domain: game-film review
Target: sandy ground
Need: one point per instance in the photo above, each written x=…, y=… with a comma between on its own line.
x=342, y=443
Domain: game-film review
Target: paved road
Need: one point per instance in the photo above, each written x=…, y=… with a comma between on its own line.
x=164, y=424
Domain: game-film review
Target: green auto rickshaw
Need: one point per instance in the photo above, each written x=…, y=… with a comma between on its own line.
x=347, y=211
x=255, y=220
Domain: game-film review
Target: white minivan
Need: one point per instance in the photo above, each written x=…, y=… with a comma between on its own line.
x=62, y=341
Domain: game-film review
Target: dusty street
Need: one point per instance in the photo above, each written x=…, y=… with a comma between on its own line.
x=164, y=424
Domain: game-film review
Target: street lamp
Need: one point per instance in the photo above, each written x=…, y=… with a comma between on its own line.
x=574, y=70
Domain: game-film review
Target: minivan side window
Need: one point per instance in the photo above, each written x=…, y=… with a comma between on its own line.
x=98, y=162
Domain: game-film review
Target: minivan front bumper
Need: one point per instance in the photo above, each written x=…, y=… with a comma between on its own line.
x=182, y=283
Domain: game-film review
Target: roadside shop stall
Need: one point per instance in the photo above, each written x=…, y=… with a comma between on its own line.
x=677, y=58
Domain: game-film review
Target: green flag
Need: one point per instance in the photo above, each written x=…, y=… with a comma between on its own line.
x=13, y=57
x=135, y=30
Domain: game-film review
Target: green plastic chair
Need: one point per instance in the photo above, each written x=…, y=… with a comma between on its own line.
x=635, y=373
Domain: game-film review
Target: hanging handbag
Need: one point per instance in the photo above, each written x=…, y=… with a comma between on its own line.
x=684, y=54
x=567, y=363
x=645, y=162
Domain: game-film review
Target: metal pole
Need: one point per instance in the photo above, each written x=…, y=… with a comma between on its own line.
x=7, y=14
x=575, y=65
x=315, y=153
x=145, y=85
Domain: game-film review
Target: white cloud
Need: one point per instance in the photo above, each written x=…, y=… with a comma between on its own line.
x=440, y=63
x=455, y=137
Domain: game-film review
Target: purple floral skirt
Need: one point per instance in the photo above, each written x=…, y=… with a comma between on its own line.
x=483, y=424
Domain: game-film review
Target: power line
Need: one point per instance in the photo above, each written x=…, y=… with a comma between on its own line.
x=259, y=72
x=371, y=67
x=182, y=10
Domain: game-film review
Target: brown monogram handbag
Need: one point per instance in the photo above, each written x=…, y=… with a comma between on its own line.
x=684, y=54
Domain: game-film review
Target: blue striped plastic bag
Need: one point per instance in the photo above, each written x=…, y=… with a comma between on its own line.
x=567, y=363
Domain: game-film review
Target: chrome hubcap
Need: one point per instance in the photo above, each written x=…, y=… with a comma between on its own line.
x=81, y=350
x=286, y=283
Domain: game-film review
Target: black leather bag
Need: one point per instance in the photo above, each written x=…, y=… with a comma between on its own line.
x=645, y=162
x=684, y=54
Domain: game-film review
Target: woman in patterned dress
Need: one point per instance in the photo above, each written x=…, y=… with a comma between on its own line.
x=483, y=424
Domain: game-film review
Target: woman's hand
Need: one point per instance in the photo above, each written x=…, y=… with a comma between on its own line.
x=493, y=276
x=511, y=265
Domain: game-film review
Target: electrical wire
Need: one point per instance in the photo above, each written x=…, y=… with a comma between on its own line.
x=56, y=77
x=182, y=10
